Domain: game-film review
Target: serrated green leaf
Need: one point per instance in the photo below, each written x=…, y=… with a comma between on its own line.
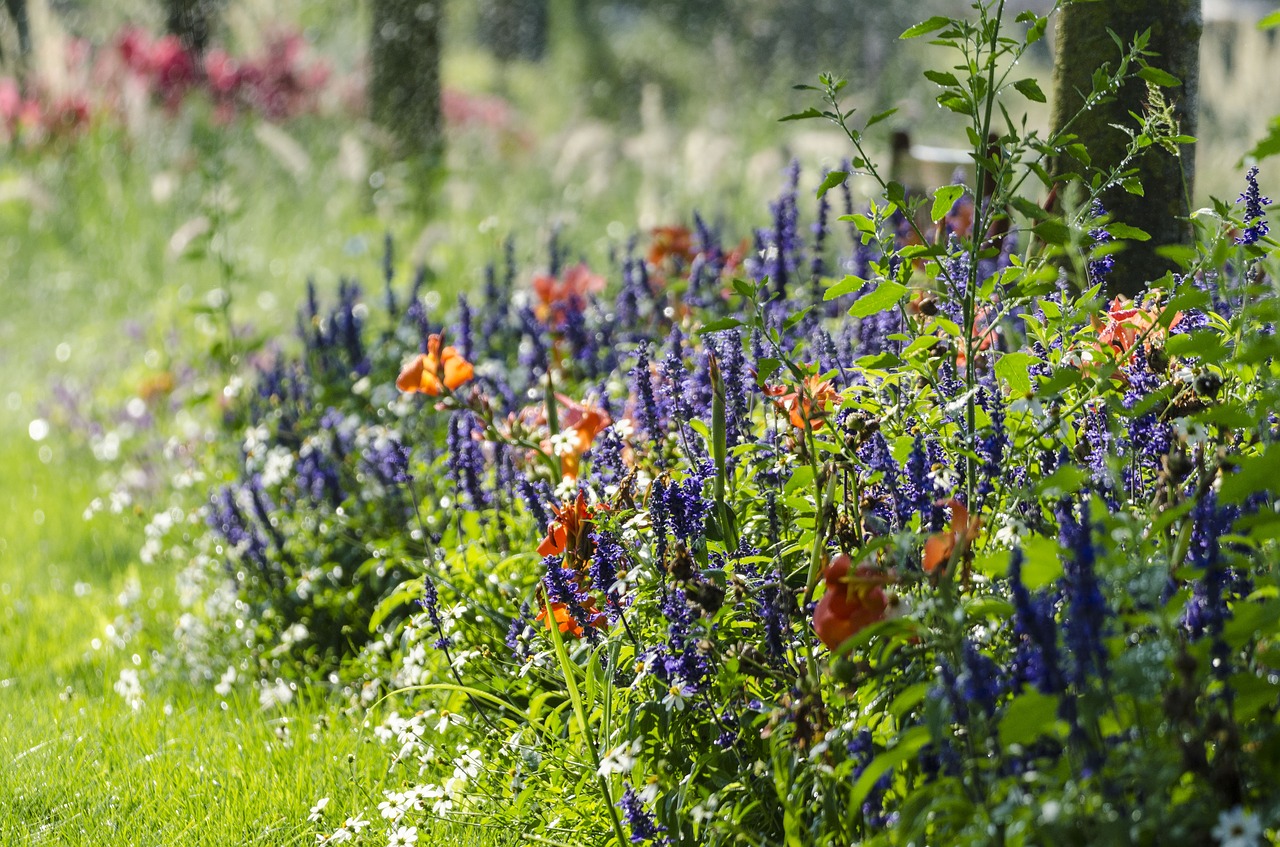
x=943, y=78
x=875, y=119
x=1012, y=368
x=885, y=296
x=803, y=116
x=1030, y=89
x=1155, y=76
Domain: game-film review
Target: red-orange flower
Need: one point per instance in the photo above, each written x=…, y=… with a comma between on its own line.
x=566, y=622
x=1127, y=323
x=812, y=403
x=555, y=294
x=566, y=528
x=670, y=241
x=851, y=602
x=435, y=370
x=941, y=546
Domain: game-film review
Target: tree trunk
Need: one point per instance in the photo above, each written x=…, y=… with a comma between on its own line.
x=514, y=29
x=193, y=21
x=404, y=86
x=1167, y=180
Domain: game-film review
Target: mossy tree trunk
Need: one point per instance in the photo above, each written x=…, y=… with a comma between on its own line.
x=193, y=21
x=1083, y=45
x=404, y=85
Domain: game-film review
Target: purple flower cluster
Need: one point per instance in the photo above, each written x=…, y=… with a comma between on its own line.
x=643, y=826
x=1256, y=227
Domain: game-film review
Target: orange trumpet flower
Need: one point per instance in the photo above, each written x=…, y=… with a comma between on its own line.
x=852, y=601
x=940, y=546
x=435, y=370
x=566, y=528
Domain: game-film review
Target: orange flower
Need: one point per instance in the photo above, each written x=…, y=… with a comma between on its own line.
x=983, y=336
x=555, y=294
x=812, y=403
x=851, y=602
x=940, y=546
x=1127, y=323
x=670, y=242
x=566, y=528
x=435, y=370
x=581, y=423
x=565, y=620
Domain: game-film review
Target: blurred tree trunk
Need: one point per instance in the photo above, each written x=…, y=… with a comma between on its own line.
x=18, y=12
x=1167, y=180
x=193, y=21
x=514, y=29
x=404, y=85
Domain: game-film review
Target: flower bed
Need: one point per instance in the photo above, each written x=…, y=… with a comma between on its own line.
x=893, y=529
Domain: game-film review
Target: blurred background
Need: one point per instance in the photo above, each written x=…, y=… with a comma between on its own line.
x=149, y=183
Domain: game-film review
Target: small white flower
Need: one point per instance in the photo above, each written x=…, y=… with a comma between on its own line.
x=317, y=811
x=223, y=688
x=675, y=699
x=1237, y=828
x=405, y=836
x=129, y=687
x=620, y=759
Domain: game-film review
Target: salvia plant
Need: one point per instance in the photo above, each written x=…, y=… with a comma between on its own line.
x=887, y=527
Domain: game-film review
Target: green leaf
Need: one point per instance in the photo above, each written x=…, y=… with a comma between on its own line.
x=1012, y=368
x=1052, y=232
x=946, y=80
x=720, y=325
x=885, y=296
x=833, y=179
x=1255, y=473
x=943, y=199
x=909, y=699
x=908, y=746
x=1133, y=185
x=1060, y=380
x=746, y=289
x=848, y=285
x=1155, y=76
x=803, y=116
x=934, y=24
x=922, y=342
x=875, y=119
x=1132, y=233
x=1030, y=89
x=1270, y=21
x=794, y=319
x=1063, y=482
x=1041, y=565
x=766, y=368
x=1028, y=716
x=1270, y=145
